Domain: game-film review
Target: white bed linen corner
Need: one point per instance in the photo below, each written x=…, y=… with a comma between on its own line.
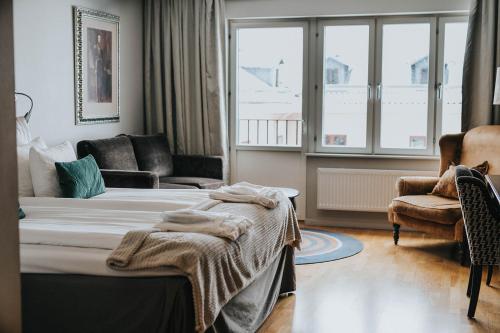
x=75, y=236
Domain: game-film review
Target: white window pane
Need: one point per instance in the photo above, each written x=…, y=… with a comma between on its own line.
x=345, y=86
x=454, y=49
x=269, y=86
x=404, y=86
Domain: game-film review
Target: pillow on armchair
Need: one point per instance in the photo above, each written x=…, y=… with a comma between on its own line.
x=446, y=186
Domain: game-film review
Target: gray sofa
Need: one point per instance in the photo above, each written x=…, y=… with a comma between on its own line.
x=145, y=161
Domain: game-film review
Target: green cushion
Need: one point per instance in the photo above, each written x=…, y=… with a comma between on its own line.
x=80, y=179
x=21, y=214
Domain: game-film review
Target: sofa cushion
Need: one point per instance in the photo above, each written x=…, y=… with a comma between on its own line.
x=428, y=207
x=171, y=186
x=153, y=154
x=199, y=182
x=114, y=153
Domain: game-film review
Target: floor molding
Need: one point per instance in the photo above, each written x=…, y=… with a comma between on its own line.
x=375, y=224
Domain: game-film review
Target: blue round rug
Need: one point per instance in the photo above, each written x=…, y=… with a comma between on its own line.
x=321, y=246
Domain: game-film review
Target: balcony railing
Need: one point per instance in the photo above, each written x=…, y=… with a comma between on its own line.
x=270, y=132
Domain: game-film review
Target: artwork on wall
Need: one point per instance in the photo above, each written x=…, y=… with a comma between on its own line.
x=97, y=68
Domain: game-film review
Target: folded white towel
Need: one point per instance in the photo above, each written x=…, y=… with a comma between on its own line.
x=223, y=225
x=244, y=192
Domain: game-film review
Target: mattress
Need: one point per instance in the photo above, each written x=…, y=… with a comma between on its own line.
x=75, y=236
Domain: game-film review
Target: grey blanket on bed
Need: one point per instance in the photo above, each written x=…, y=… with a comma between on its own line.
x=217, y=268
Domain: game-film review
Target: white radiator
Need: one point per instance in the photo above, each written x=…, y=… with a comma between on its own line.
x=366, y=190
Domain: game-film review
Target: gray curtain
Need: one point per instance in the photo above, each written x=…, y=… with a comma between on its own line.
x=482, y=57
x=184, y=74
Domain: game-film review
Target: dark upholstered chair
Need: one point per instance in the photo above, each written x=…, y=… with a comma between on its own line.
x=481, y=214
x=144, y=161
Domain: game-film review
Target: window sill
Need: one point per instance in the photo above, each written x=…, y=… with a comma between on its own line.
x=269, y=148
x=375, y=156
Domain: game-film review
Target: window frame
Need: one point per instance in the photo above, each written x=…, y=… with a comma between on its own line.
x=321, y=25
x=431, y=89
x=442, y=21
x=312, y=85
x=234, y=26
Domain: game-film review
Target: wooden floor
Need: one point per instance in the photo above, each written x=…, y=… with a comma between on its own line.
x=414, y=287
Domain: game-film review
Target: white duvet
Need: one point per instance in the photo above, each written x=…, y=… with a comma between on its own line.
x=76, y=235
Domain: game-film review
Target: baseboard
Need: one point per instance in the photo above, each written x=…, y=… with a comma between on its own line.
x=353, y=223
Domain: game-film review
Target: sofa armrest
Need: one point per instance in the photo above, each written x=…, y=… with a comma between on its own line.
x=450, y=147
x=198, y=166
x=130, y=179
x=414, y=185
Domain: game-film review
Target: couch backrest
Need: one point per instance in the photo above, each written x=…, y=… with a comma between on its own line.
x=153, y=154
x=482, y=144
x=115, y=153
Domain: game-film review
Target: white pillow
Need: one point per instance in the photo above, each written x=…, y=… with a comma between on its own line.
x=43, y=169
x=23, y=133
x=23, y=167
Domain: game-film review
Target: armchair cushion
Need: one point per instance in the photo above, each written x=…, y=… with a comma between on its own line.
x=198, y=182
x=428, y=207
x=114, y=153
x=130, y=179
x=415, y=185
x=446, y=186
x=153, y=154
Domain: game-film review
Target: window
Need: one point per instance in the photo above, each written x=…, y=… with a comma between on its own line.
x=403, y=81
x=450, y=63
x=345, y=89
x=269, y=84
x=395, y=90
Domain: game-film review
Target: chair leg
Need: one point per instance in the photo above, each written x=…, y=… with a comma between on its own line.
x=476, y=286
x=469, y=285
x=395, y=233
x=490, y=275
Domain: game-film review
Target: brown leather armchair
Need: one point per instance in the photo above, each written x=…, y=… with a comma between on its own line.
x=416, y=208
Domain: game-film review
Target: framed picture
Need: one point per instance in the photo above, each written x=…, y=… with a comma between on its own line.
x=97, y=67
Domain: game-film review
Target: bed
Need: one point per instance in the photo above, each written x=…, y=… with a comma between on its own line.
x=68, y=287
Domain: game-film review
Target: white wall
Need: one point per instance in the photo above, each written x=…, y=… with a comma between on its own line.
x=284, y=169
x=289, y=8
x=289, y=169
x=43, y=38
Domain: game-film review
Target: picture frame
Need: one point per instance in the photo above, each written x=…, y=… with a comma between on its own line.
x=97, y=66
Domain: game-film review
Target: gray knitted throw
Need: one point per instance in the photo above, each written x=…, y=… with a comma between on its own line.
x=217, y=268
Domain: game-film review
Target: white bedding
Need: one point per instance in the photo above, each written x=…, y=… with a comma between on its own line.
x=76, y=235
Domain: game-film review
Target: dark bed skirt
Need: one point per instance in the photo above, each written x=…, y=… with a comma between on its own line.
x=85, y=303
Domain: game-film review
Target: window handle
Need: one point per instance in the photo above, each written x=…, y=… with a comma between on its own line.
x=379, y=91
x=439, y=90
x=369, y=91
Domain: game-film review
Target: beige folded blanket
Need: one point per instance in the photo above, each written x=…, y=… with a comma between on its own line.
x=224, y=225
x=249, y=193
x=217, y=268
